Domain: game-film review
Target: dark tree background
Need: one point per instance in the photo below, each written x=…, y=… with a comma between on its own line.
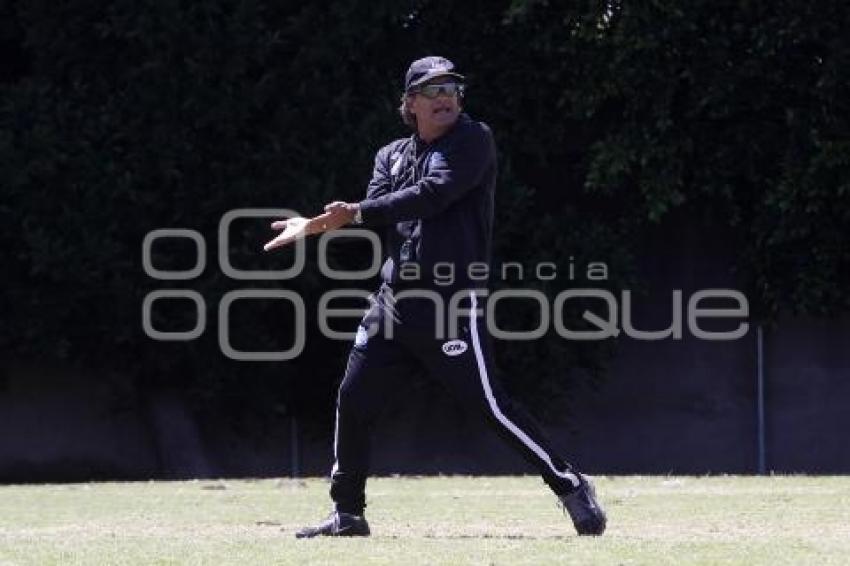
x=117, y=118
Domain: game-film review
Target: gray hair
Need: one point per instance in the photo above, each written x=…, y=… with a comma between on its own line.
x=406, y=115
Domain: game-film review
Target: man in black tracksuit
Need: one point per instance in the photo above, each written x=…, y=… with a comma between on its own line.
x=434, y=193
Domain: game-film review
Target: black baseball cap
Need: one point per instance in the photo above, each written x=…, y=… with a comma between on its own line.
x=427, y=68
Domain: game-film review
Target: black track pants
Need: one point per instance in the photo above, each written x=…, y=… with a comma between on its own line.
x=377, y=364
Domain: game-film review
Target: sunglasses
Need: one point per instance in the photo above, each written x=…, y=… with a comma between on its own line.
x=433, y=91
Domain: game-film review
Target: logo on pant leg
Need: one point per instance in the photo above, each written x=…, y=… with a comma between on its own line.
x=454, y=347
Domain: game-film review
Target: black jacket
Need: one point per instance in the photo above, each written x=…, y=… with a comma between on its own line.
x=439, y=199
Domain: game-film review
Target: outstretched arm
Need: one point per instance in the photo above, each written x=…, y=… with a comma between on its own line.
x=298, y=227
x=337, y=213
x=453, y=171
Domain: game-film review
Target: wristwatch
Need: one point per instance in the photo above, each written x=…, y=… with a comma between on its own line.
x=358, y=216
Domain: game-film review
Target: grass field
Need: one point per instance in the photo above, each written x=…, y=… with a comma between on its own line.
x=441, y=520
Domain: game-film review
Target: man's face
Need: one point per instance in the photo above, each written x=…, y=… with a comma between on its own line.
x=438, y=112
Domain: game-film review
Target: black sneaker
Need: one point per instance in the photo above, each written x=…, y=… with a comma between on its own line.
x=588, y=517
x=338, y=524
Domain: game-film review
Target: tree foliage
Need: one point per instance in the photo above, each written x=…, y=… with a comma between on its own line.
x=121, y=117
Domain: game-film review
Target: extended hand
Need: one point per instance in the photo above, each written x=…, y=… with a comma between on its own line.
x=345, y=211
x=293, y=229
x=337, y=214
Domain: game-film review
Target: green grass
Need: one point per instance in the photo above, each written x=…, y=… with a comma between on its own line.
x=442, y=520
